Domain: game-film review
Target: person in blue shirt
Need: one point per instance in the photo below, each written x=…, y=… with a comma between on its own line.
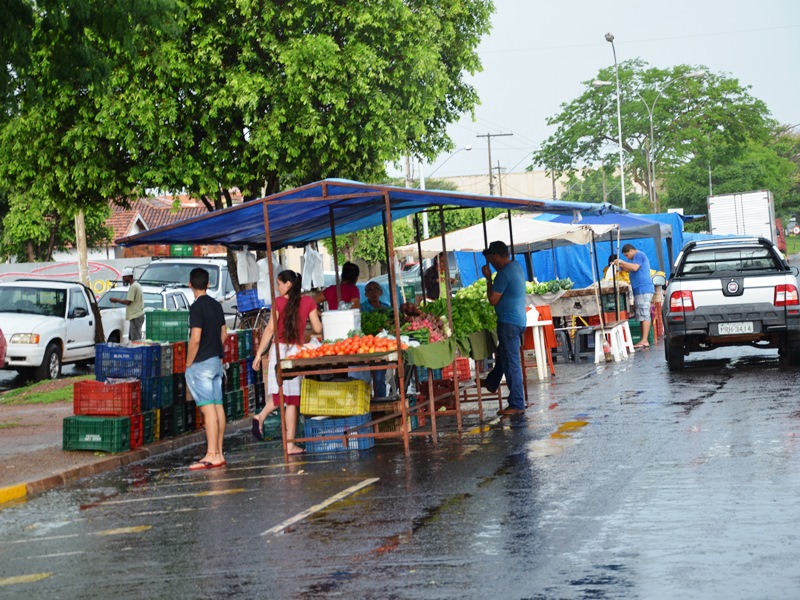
x=373, y=291
x=638, y=266
x=507, y=294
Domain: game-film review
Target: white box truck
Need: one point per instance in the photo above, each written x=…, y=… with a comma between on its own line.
x=748, y=213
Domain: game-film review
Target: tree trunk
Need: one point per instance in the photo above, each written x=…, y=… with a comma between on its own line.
x=80, y=239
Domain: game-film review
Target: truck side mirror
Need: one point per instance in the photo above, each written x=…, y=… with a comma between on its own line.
x=78, y=313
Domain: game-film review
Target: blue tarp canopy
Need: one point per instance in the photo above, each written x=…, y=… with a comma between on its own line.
x=303, y=215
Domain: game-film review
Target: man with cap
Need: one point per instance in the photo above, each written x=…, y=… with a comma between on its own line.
x=134, y=305
x=507, y=294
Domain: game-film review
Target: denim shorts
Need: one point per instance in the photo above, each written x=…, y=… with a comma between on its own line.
x=204, y=380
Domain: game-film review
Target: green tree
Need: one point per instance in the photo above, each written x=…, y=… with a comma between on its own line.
x=691, y=117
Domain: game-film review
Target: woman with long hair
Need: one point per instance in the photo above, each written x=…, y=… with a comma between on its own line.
x=287, y=323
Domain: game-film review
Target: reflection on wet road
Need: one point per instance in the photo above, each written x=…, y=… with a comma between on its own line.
x=622, y=481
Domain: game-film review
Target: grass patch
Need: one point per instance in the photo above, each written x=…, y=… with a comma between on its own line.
x=43, y=392
x=12, y=425
x=792, y=244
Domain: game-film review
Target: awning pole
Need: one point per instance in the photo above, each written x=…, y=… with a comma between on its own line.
x=614, y=274
x=511, y=234
x=419, y=261
x=449, y=290
x=335, y=259
x=389, y=257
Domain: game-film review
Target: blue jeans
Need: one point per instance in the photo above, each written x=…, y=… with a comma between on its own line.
x=508, y=363
x=204, y=380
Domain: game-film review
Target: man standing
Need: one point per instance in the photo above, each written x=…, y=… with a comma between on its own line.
x=134, y=305
x=207, y=335
x=507, y=294
x=643, y=288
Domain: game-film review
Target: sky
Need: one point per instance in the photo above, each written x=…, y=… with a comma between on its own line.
x=539, y=52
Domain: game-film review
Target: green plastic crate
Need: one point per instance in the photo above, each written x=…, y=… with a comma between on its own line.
x=166, y=391
x=167, y=325
x=108, y=434
x=233, y=380
x=636, y=331
x=238, y=406
x=181, y=250
x=149, y=426
x=229, y=404
x=272, y=426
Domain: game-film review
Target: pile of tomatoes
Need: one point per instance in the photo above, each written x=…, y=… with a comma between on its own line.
x=358, y=344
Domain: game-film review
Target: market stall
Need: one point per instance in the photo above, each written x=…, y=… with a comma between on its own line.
x=323, y=210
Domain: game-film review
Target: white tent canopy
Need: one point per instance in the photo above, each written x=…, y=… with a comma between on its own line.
x=529, y=235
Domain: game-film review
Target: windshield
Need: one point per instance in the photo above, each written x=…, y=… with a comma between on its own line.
x=701, y=263
x=35, y=301
x=151, y=299
x=160, y=273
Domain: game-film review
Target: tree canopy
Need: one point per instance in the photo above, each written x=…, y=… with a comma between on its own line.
x=697, y=116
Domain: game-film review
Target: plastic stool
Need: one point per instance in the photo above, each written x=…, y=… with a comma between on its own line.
x=563, y=346
x=583, y=337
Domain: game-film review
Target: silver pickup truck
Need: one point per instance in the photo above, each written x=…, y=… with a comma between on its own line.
x=731, y=292
x=49, y=323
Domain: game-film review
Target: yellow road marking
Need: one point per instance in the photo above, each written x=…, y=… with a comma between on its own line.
x=17, y=579
x=123, y=530
x=13, y=492
x=321, y=506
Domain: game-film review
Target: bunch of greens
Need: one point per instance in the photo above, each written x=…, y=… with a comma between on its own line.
x=548, y=286
x=372, y=323
x=469, y=314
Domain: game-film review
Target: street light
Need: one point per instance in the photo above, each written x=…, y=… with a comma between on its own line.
x=467, y=148
x=610, y=39
x=651, y=162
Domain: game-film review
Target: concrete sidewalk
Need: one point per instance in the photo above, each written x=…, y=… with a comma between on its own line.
x=32, y=461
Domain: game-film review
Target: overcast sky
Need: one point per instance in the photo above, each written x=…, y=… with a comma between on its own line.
x=538, y=53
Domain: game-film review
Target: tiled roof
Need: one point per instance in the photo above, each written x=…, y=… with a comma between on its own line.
x=156, y=212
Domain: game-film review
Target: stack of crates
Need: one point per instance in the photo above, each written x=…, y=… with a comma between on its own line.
x=239, y=386
x=347, y=401
x=107, y=417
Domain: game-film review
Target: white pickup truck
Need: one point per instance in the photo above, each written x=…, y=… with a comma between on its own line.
x=49, y=323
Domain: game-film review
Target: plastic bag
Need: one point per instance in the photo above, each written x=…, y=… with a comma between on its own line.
x=246, y=267
x=313, y=276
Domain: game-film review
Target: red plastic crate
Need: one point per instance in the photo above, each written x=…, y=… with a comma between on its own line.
x=232, y=348
x=161, y=250
x=462, y=363
x=137, y=431
x=179, y=357
x=107, y=399
x=246, y=397
x=242, y=374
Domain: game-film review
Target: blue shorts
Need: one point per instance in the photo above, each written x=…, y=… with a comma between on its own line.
x=204, y=380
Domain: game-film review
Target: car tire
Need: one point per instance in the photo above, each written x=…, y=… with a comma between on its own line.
x=674, y=356
x=51, y=364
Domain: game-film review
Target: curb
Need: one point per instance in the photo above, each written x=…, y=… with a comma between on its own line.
x=21, y=491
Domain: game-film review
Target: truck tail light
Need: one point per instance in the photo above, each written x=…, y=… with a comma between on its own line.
x=680, y=302
x=786, y=295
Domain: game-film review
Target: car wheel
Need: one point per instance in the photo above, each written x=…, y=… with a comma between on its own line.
x=674, y=356
x=51, y=365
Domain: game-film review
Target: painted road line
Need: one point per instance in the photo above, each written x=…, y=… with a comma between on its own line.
x=124, y=530
x=173, y=496
x=57, y=555
x=321, y=506
x=17, y=579
x=41, y=539
x=171, y=484
x=13, y=492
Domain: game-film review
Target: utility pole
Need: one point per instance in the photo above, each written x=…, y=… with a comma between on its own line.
x=489, y=137
x=553, y=179
x=499, y=181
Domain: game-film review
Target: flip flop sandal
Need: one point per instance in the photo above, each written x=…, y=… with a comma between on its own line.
x=201, y=464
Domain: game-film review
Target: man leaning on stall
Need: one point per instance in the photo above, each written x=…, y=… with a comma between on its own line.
x=507, y=294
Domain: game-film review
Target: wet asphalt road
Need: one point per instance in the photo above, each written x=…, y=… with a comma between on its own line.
x=622, y=481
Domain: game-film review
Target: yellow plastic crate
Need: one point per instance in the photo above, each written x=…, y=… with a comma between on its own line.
x=334, y=398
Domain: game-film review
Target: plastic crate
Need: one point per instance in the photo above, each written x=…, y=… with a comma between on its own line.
x=334, y=398
x=329, y=427
x=118, y=399
x=242, y=374
x=150, y=393
x=231, y=348
x=233, y=380
x=272, y=430
x=165, y=391
x=250, y=397
x=198, y=250
x=148, y=426
x=190, y=416
x=178, y=419
x=463, y=366
x=157, y=424
x=115, y=360
x=261, y=396
x=238, y=404
x=248, y=300
x=636, y=332
x=181, y=250
x=167, y=325
x=166, y=423
x=108, y=434
x=137, y=431
x=229, y=404
x=179, y=388
x=161, y=250
x=179, y=357
x=422, y=374
x=380, y=408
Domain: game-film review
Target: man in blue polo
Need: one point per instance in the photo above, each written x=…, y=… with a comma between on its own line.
x=638, y=266
x=507, y=294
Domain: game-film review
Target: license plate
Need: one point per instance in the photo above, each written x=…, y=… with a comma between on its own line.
x=735, y=328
